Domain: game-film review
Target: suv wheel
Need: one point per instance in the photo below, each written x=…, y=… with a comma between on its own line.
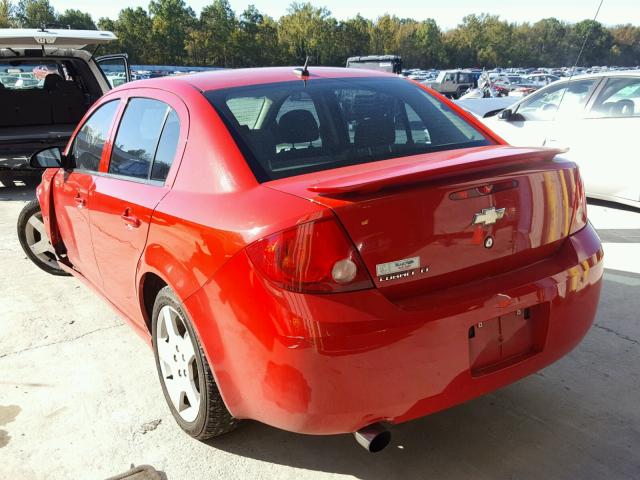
x=34, y=241
x=187, y=382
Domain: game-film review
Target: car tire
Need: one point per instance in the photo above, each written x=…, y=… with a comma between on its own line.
x=177, y=372
x=32, y=236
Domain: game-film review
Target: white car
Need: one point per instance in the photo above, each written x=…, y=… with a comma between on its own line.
x=597, y=117
x=45, y=111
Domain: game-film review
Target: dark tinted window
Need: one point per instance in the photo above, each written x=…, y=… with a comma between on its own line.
x=291, y=128
x=166, y=147
x=88, y=145
x=137, y=138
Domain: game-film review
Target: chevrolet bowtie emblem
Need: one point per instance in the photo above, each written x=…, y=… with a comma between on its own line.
x=488, y=216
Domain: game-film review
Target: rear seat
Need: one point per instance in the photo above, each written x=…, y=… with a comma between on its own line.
x=58, y=102
x=68, y=104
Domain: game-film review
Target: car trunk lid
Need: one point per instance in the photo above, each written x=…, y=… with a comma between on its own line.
x=432, y=221
x=59, y=38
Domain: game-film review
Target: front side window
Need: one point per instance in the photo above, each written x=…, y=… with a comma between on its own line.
x=331, y=123
x=138, y=140
x=619, y=98
x=566, y=100
x=89, y=143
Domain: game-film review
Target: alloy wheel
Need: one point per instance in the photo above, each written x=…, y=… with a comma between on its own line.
x=38, y=241
x=177, y=358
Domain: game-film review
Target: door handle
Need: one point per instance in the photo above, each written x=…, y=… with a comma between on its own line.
x=80, y=201
x=130, y=221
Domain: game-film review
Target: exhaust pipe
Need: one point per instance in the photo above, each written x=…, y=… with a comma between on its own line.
x=373, y=438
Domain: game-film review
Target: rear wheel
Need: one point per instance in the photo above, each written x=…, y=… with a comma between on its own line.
x=34, y=240
x=187, y=382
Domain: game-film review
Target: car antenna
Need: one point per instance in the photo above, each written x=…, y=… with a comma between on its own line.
x=573, y=69
x=303, y=71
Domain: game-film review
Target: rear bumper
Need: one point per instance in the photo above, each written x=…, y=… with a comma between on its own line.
x=325, y=364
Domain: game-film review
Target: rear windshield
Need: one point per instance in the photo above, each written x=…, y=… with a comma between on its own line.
x=26, y=76
x=290, y=128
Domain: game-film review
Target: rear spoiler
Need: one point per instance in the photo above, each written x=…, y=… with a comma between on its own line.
x=473, y=162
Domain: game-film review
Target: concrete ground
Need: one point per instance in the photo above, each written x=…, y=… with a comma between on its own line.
x=79, y=396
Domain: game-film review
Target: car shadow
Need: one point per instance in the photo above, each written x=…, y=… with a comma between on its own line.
x=501, y=435
x=18, y=186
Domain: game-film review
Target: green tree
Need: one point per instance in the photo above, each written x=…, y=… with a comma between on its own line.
x=308, y=31
x=354, y=36
x=626, y=44
x=134, y=31
x=34, y=13
x=598, y=44
x=76, y=19
x=6, y=14
x=221, y=34
x=171, y=22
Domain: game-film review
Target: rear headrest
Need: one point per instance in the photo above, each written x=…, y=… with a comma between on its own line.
x=373, y=132
x=298, y=126
x=52, y=81
x=622, y=108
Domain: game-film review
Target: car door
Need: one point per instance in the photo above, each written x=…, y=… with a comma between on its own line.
x=544, y=117
x=606, y=142
x=115, y=68
x=135, y=176
x=73, y=188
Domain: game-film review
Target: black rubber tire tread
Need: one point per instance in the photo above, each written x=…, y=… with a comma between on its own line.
x=213, y=418
x=27, y=212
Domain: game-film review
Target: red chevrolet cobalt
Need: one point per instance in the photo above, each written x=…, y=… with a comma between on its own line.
x=324, y=251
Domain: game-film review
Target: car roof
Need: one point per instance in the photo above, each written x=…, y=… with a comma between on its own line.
x=218, y=79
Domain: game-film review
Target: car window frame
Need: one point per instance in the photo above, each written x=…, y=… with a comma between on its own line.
x=123, y=96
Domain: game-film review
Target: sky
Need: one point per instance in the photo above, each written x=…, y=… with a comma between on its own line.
x=447, y=14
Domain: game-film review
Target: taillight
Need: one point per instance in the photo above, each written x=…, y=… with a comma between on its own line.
x=580, y=211
x=313, y=257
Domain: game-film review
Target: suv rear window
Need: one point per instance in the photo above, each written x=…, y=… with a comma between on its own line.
x=290, y=128
x=27, y=76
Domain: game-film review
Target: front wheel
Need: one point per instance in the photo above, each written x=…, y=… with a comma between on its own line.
x=34, y=240
x=186, y=378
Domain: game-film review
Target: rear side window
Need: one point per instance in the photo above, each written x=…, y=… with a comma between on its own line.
x=167, y=147
x=146, y=141
x=89, y=143
x=619, y=98
x=292, y=128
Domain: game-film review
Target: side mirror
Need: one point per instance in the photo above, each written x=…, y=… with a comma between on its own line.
x=50, y=157
x=505, y=114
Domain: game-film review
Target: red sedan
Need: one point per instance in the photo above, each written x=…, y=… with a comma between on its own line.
x=321, y=251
